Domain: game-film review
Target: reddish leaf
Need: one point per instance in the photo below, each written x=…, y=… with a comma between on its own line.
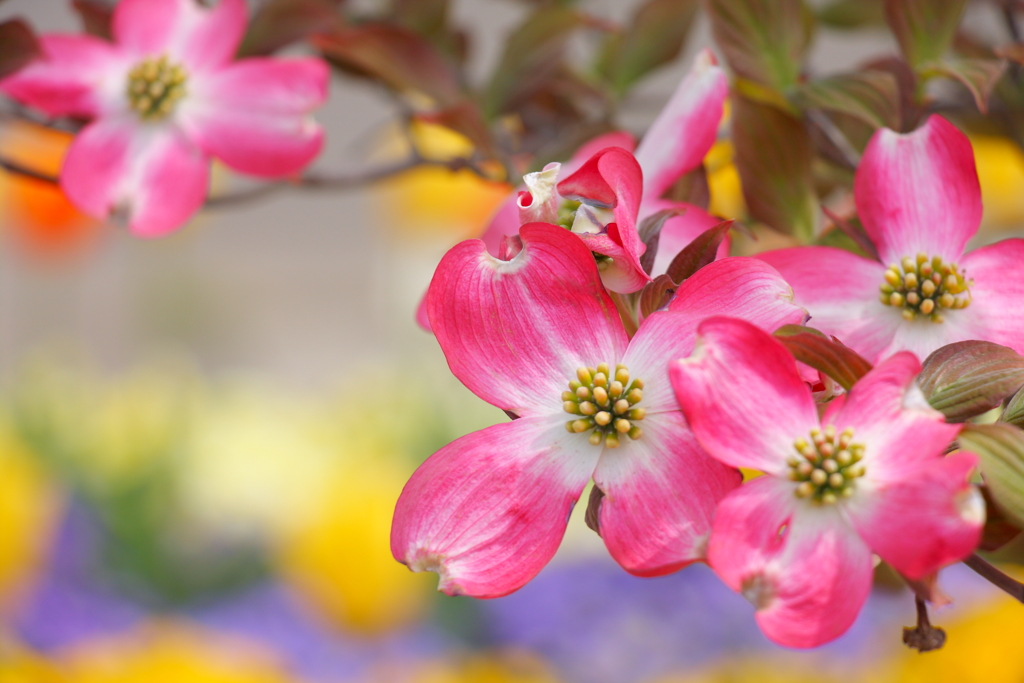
x=852, y=13
x=855, y=231
x=465, y=118
x=870, y=96
x=95, y=16
x=968, y=378
x=656, y=295
x=650, y=234
x=18, y=46
x=830, y=356
x=594, y=509
x=979, y=76
x=1013, y=52
x=655, y=37
x=924, y=28
x=773, y=157
x=282, y=22
x=998, y=529
x=698, y=253
x=396, y=56
x=763, y=40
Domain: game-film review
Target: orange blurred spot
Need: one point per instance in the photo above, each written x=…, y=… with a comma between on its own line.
x=38, y=216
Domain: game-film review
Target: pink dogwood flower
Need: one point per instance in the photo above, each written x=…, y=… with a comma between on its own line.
x=675, y=144
x=538, y=336
x=868, y=477
x=165, y=98
x=918, y=197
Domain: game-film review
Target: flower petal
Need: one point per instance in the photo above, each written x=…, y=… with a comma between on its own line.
x=153, y=173
x=200, y=37
x=840, y=291
x=997, y=290
x=660, y=496
x=254, y=115
x=76, y=76
x=686, y=128
x=488, y=510
x=612, y=179
x=919, y=192
x=515, y=332
x=737, y=287
x=931, y=518
x=804, y=569
x=679, y=231
x=892, y=418
x=742, y=395
x=618, y=138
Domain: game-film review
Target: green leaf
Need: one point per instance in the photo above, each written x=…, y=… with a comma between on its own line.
x=968, y=378
x=870, y=96
x=852, y=13
x=924, y=28
x=979, y=76
x=1014, y=411
x=1000, y=449
x=698, y=253
x=654, y=38
x=763, y=40
x=533, y=53
x=18, y=46
x=95, y=16
x=428, y=17
x=830, y=356
x=278, y=23
x=656, y=294
x=399, y=58
x=773, y=157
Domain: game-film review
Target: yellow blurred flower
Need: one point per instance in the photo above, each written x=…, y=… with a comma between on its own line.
x=1001, y=174
x=436, y=201
x=724, y=181
x=504, y=667
x=28, y=510
x=171, y=653
x=20, y=665
x=764, y=669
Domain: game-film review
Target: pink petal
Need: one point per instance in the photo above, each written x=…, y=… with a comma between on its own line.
x=737, y=287
x=153, y=173
x=926, y=521
x=679, y=231
x=804, y=569
x=515, y=332
x=588, y=149
x=997, y=290
x=488, y=510
x=255, y=115
x=202, y=38
x=892, y=418
x=686, y=128
x=612, y=179
x=919, y=192
x=660, y=496
x=504, y=222
x=77, y=76
x=742, y=395
x=840, y=291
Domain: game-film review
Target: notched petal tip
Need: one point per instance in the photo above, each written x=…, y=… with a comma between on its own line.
x=758, y=590
x=424, y=560
x=971, y=505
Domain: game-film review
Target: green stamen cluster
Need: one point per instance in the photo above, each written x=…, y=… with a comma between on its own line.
x=155, y=86
x=605, y=403
x=925, y=286
x=826, y=466
x=567, y=213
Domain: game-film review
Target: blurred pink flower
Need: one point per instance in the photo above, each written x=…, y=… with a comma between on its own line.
x=538, y=336
x=165, y=97
x=918, y=197
x=868, y=477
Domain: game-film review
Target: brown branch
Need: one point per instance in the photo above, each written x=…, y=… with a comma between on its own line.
x=345, y=182
x=26, y=172
x=996, y=578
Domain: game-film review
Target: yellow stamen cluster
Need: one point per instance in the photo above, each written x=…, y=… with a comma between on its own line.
x=826, y=465
x=925, y=286
x=155, y=86
x=606, y=404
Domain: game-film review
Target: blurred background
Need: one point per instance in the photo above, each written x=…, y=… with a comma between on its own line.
x=202, y=437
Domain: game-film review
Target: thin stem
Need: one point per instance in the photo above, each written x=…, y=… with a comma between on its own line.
x=26, y=172
x=924, y=637
x=996, y=578
x=850, y=156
